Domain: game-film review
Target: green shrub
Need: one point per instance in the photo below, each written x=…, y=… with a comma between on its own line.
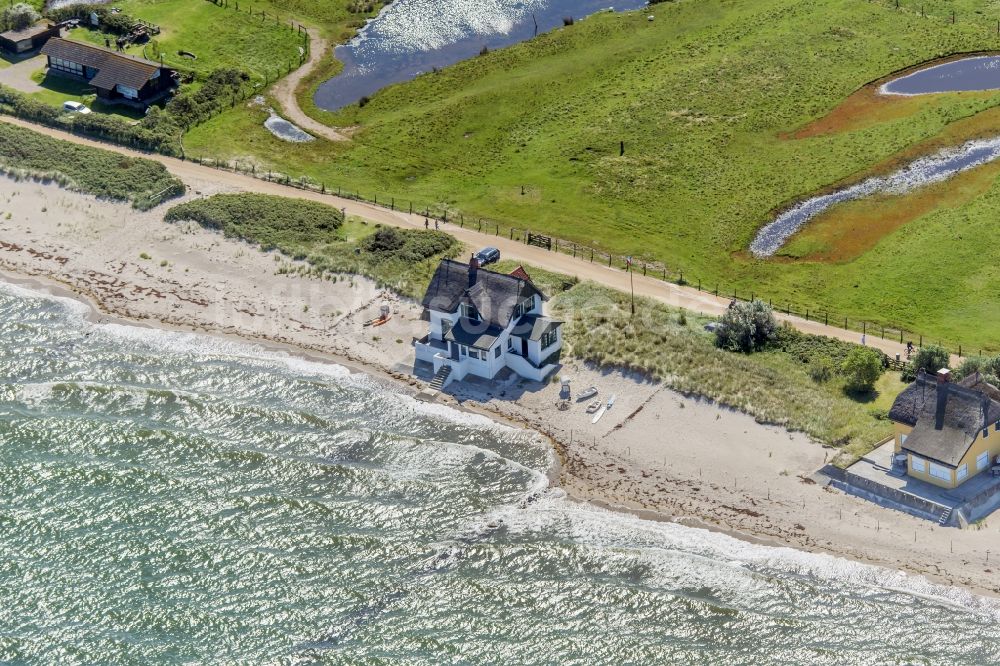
x=822, y=370
x=103, y=173
x=862, y=368
x=19, y=16
x=402, y=259
x=272, y=221
x=930, y=359
x=747, y=326
x=987, y=366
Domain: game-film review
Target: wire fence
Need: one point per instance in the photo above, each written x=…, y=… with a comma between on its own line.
x=648, y=266
x=438, y=215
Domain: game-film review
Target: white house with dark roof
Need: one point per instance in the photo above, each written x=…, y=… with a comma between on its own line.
x=483, y=323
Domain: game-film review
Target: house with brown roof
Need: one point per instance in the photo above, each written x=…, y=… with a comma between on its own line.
x=28, y=39
x=947, y=431
x=118, y=78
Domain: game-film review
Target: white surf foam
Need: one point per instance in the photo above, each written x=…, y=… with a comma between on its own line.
x=602, y=529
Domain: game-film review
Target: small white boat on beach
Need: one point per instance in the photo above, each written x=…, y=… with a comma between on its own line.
x=594, y=406
x=588, y=393
x=605, y=408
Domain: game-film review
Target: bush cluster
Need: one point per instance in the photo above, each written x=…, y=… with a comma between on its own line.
x=930, y=359
x=99, y=172
x=117, y=23
x=18, y=17
x=747, y=326
x=272, y=221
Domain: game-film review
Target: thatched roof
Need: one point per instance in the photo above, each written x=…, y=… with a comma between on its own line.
x=946, y=417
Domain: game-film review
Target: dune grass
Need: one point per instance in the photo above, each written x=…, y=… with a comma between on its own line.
x=774, y=386
x=144, y=183
x=705, y=98
x=400, y=259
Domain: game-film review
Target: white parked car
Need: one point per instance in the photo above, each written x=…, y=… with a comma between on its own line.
x=75, y=107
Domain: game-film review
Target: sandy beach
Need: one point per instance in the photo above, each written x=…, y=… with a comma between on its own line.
x=656, y=453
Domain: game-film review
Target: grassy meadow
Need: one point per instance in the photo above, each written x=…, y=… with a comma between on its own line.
x=218, y=36
x=710, y=99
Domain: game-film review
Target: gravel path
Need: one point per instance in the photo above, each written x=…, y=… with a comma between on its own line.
x=284, y=91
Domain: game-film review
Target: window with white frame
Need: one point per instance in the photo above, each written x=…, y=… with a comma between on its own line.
x=918, y=464
x=127, y=92
x=940, y=472
x=962, y=472
x=902, y=440
x=468, y=311
x=550, y=337
x=524, y=307
x=982, y=460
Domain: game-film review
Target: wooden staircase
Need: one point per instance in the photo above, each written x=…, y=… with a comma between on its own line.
x=945, y=517
x=440, y=378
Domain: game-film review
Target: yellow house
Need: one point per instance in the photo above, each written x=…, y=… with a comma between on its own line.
x=947, y=431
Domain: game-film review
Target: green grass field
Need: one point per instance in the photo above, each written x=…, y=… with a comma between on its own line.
x=218, y=36
x=704, y=97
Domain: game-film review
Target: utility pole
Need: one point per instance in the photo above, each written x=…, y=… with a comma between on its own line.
x=631, y=280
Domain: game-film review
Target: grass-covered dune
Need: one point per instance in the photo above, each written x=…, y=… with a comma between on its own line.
x=402, y=259
x=144, y=183
x=793, y=383
x=708, y=99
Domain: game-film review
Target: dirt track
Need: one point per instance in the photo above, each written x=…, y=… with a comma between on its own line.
x=284, y=91
x=669, y=293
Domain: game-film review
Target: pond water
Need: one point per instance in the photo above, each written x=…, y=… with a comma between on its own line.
x=409, y=37
x=967, y=74
x=285, y=130
x=921, y=172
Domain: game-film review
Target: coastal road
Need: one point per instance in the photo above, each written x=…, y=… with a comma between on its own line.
x=665, y=292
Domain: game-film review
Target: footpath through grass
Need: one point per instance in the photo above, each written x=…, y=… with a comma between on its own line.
x=27, y=154
x=705, y=98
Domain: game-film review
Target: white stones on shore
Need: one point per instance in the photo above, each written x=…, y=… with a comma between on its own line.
x=923, y=171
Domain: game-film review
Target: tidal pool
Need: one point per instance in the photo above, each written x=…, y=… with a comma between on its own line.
x=410, y=37
x=924, y=171
x=964, y=75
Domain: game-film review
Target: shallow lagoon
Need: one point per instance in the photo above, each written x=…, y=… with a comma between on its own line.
x=964, y=75
x=410, y=37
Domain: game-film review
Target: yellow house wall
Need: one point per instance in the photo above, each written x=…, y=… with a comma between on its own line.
x=926, y=475
x=980, y=444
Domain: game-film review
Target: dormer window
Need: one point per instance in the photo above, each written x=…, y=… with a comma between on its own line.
x=524, y=307
x=468, y=311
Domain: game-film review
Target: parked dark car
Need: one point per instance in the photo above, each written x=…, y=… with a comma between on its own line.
x=488, y=255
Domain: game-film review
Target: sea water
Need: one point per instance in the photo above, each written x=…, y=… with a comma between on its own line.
x=410, y=37
x=172, y=498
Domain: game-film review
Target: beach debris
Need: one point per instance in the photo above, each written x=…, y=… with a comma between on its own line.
x=605, y=408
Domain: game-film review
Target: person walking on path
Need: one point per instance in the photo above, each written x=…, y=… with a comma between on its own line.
x=427, y=225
